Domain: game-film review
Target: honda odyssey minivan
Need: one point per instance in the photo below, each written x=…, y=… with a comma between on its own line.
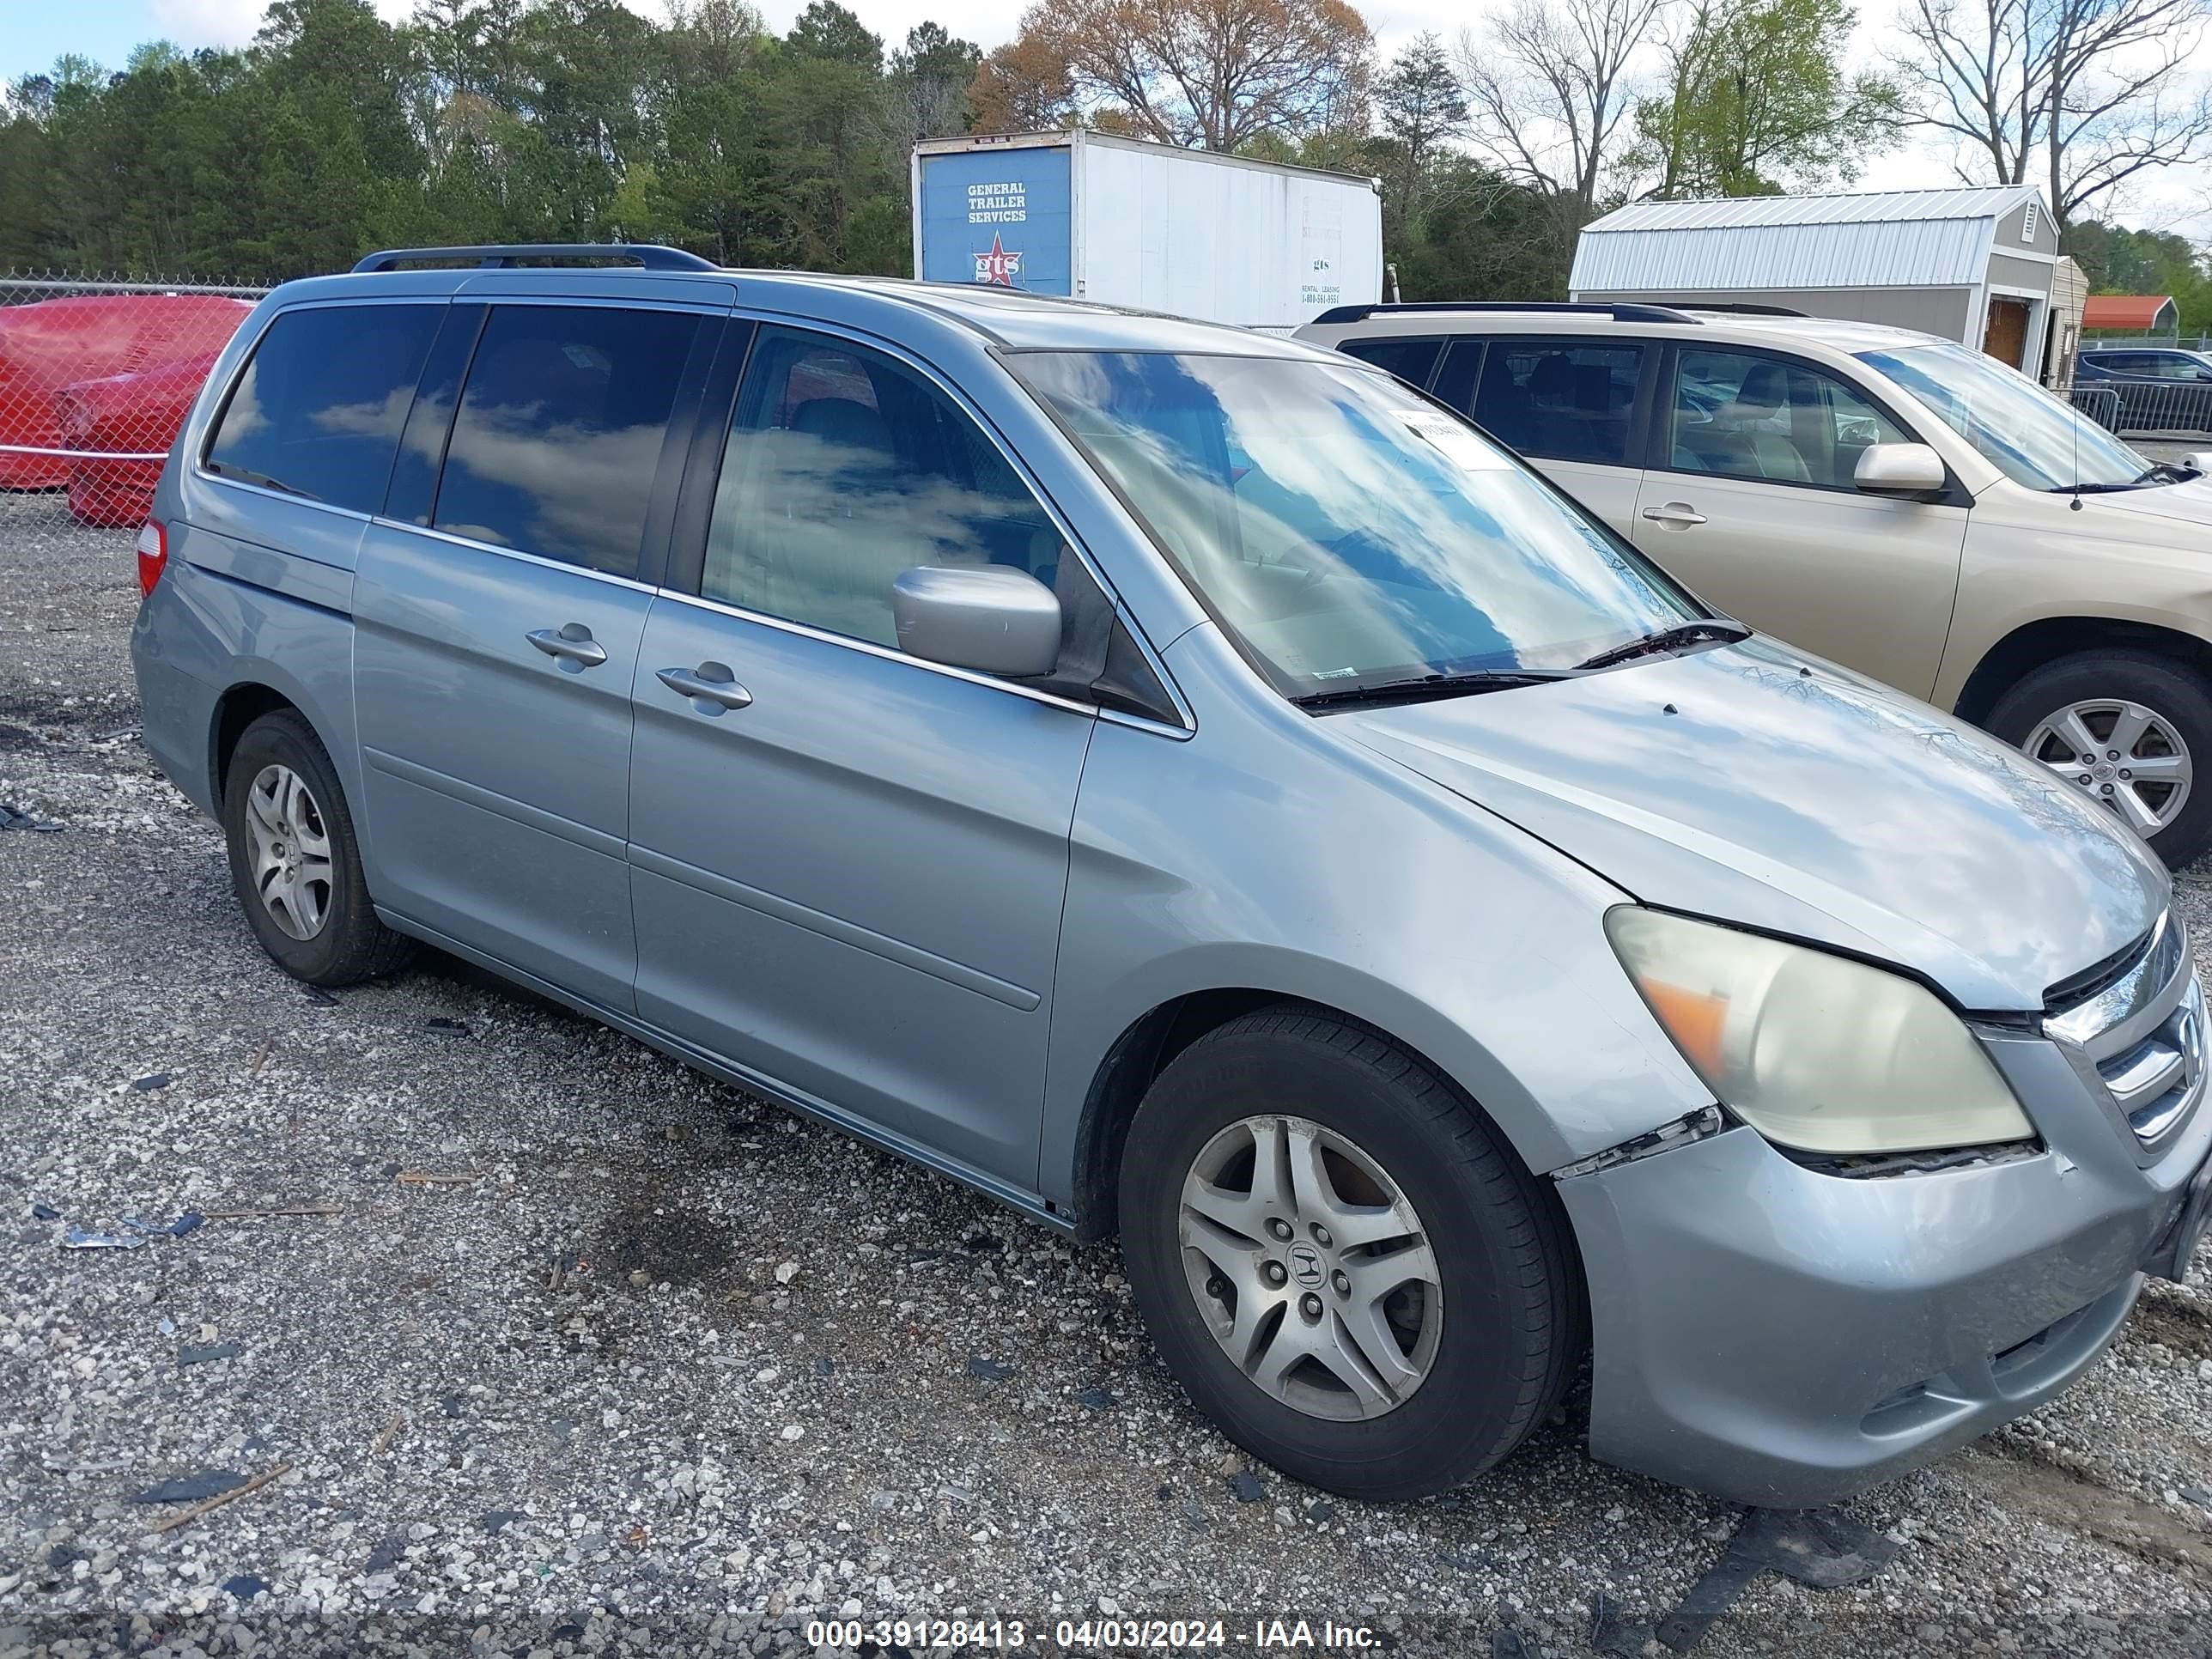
x=1194, y=788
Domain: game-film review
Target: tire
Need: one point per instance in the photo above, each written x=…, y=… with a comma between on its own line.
x=332, y=936
x=1510, y=1314
x=2177, y=696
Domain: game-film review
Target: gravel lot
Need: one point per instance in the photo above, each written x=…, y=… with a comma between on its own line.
x=649, y=1366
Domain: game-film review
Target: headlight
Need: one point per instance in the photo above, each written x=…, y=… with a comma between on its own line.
x=1813, y=1050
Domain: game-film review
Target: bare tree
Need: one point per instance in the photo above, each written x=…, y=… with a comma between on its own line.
x=1548, y=85
x=2078, y=95
x=1211, y=74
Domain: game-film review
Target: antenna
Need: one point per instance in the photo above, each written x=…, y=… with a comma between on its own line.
x=2074, y=432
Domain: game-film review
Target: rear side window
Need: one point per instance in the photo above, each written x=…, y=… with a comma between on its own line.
x=318, y=411
x=558, y=436
x=1560, y=399
x=1409, y=359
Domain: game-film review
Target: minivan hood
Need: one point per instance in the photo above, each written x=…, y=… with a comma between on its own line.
x=1780, y=793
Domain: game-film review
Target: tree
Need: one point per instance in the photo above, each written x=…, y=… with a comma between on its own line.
x=1419, y=104
x=2078, y=96
x=927, y=88
x=1755, y=99
x=1023, y=86
x=1549, y=91
x=1207, y=74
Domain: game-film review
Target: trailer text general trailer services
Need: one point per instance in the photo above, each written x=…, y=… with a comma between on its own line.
x=1097, y=217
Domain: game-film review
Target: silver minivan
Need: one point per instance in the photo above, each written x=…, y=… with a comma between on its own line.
x=1191, y=787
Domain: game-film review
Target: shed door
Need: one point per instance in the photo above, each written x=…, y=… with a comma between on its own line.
x=2006, y=337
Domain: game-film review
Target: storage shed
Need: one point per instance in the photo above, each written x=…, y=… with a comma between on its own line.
x=2131, y=313
x=1973, y=265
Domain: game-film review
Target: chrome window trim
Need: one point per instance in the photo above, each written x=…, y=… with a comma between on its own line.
x=204, y=475
x=524, y=554
x=891, y=348
x=887, y=654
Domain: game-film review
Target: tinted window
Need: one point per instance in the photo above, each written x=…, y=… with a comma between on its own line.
x=1455, y=381
x=318, y=410
x=844, y=468
x=1560, y=400
x=1409, y=359
x=1769, y=417
x=559, y=432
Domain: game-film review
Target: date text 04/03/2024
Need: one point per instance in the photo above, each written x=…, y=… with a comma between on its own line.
x=1118, y=1635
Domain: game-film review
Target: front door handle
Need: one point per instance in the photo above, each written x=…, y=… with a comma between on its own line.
x=1679, y=515
x=571, y=643
x=710, y=686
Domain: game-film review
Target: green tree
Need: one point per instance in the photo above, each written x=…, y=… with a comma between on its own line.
x=1419, y=106
x=1755, y=101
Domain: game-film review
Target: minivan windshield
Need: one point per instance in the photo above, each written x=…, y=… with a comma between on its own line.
x=2034, y=439
x=1348, y=533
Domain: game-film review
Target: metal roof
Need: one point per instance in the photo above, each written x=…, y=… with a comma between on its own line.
x=2148, y=312
x=1875, y=239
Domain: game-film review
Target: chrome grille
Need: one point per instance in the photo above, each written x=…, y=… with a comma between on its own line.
x=2140, y=1036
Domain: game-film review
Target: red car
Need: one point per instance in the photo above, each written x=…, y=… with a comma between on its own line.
x=59, y=344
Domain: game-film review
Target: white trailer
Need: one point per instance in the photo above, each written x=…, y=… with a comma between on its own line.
x=1114, y=220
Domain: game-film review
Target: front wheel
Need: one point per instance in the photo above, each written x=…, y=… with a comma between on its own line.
x=2126, y=728
x=1340, y=1261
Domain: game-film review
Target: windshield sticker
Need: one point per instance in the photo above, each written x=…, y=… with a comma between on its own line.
x=1460, y=445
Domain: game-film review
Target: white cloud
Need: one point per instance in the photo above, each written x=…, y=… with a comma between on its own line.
x=195, y=23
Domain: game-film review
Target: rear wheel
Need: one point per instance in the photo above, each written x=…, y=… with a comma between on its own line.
x=1340, y=1261
x=294, y=861
x=2128, y=729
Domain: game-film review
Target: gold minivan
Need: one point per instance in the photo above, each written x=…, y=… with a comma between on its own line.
x=1891, y=500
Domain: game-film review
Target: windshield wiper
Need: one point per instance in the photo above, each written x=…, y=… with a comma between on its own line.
x=1669, y=638
x=2168, y=472
x=1430, y=685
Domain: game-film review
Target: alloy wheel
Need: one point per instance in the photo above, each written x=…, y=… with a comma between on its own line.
x=2127, y=758
x=291, y=851
x=1310, y=1268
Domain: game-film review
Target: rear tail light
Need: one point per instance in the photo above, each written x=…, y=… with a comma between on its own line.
x=153, y=554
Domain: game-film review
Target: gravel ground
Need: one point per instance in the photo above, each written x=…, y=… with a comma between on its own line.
x=646, y=1365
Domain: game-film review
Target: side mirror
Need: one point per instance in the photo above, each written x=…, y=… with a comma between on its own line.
x=1899, y=470
x=991, y=618
x=2199, y=461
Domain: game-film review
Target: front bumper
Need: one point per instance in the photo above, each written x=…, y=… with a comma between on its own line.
x=1781, y=1336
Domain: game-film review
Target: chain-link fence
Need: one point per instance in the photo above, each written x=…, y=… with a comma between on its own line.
x=96, y=379
x=2169, y=410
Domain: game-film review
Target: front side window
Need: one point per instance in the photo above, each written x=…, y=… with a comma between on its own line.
x=1777, y=419
x=1560, y=400
x=1346, y=532
x=844, y=468
x=318, y=410
x=2021, y=429
x=558, y=436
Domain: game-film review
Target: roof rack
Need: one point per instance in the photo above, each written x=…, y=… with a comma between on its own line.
x=1619, y=311
x=499, y=256
x=1744, y=308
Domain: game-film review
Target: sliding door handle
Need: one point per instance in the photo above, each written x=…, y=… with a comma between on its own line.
x=571, y=644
